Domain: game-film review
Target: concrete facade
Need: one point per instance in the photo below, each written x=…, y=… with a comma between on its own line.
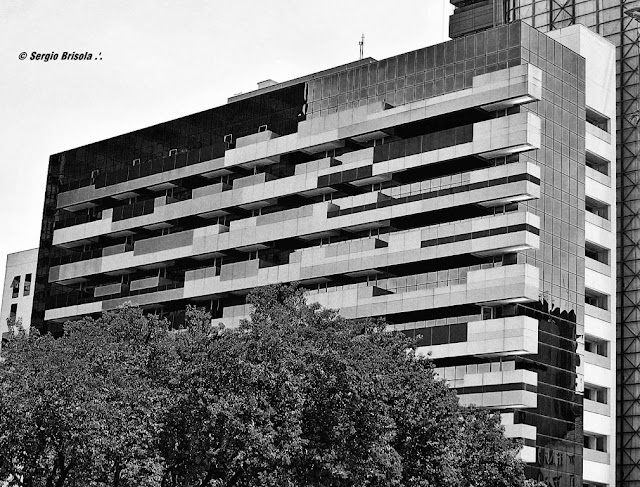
x=17, y=293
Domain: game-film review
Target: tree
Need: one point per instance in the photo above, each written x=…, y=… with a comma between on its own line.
x=534, y=483
x=326, y=401
x=83, y=408
x=297, y=395
x=231, y=419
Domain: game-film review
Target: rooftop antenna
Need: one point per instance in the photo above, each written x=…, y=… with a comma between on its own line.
x=361, y=43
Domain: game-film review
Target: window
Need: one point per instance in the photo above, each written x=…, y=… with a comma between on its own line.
x=15, y=285
x=593, y=441
x=597, y=119
x=596, y=393
x=597, y=163
x=27, y=285
x=597, y=346
x=487, y=312
x=13, y=312
x=596, y=207
x=596, y=252
x=597, y=299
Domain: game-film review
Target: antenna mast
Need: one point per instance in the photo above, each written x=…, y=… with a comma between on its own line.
x=361, y=47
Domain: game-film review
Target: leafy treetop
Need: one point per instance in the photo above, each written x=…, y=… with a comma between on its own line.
x=297, y=395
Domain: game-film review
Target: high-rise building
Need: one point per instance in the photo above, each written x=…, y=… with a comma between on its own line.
x=462, y=191
x=17, y=293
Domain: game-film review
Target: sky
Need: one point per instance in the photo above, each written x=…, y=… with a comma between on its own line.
x=156, y=60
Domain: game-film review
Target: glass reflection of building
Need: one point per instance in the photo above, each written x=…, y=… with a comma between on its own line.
x=443, y=189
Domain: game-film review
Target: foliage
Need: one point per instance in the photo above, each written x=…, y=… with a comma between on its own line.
x=296, y=396
x=534, y=483
x=82, y=407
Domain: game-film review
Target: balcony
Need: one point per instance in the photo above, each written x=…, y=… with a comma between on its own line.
x=515, y=335
x=492, y=286
x=126, y=172
x=130, y=211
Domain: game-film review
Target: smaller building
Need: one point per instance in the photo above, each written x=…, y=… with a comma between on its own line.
x=17, y=292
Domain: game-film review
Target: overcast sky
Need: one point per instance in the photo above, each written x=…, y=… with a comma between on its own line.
x=162, y=59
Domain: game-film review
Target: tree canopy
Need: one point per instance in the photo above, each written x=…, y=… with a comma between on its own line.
x=297, y=395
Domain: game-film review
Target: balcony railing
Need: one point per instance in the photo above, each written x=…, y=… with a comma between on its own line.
x=75, y=297
x=424, y=143
x=130, y=211
x=391, y=201
x=72, y=220
x=124, y=173
x=90, y=254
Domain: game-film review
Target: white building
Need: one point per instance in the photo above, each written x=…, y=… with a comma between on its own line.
x=17, y=292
